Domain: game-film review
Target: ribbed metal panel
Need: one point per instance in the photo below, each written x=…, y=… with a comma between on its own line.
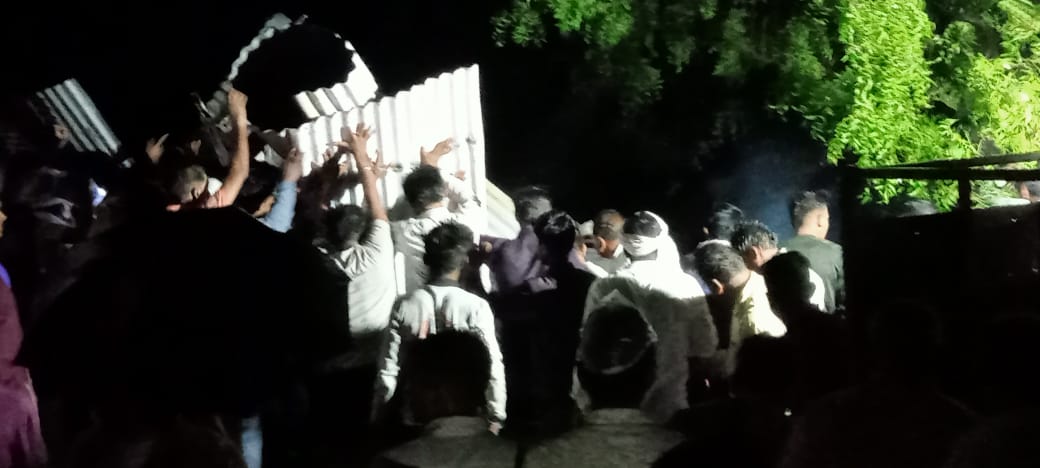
x=501, y=213
x=439, y=108
x=70, y=106
x=272, y=26
x=359, y=88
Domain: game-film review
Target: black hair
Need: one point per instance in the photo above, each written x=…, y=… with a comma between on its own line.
x=718, y=261
x=447, y=248
x=608, y=224
x=723, y=220
x=183, y=180
x=423, y=187
x=531, y=203
x=787, y=278
x=344, y=226
x=752, y=233
x=557, y=232
x=262, y=180
x=642, y=224
x=446, y=374
x=617, y=337
x=805, y=203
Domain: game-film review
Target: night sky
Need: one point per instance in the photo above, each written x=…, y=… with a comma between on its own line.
x=140, y=61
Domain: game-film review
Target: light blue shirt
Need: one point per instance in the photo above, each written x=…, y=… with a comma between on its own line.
x=281, y=216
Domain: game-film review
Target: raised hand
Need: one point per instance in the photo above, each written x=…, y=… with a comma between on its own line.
x=292, y=168
x=154, y=148
x=330, y=159
x=433, y=157
x=237, y=106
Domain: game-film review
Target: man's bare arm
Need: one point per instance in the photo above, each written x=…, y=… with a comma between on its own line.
x=370, y=171
x=239, y=170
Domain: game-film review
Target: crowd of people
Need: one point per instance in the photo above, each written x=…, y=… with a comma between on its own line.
x=596, y=344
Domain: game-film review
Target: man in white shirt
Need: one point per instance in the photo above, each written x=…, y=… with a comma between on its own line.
x=738, y=296
x=672, y=302
x=758, y=244
x=441, y=305
x=425, y=189
x=616, y=369
x=443, y=382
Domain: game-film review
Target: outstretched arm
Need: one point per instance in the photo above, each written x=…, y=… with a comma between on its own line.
x=239, y=170
x=370, y=171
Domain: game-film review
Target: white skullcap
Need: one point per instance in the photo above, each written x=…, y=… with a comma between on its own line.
x=640, y=246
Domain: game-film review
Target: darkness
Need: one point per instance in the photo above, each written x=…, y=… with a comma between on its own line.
x=544, y=124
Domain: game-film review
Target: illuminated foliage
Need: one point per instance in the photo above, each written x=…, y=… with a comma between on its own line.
x=893, y=81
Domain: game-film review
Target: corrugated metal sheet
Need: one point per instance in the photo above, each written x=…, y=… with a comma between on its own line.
x=272, y=26
x=359, y=88
x=70, y=106
x=441, y=107
x=501, y=213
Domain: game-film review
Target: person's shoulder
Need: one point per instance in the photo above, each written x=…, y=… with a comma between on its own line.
x=484, y=450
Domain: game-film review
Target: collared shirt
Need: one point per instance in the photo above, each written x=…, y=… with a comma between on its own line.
x=443, y=306
x=371, y=292
x=675, y=307
x=408, y=234
x=454, y=442
x=609, y=264
x=622, y=438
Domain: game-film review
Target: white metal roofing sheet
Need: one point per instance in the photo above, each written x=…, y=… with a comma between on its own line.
x=359, y=89
x=70, y=106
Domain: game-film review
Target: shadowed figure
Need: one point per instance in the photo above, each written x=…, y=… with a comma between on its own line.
x=197, y=311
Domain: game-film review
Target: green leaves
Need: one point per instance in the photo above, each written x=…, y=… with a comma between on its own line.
x=873, y=76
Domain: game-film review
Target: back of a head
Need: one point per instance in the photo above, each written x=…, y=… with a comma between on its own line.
x=174, y=444
x=423, y=187
x=531, y=203
x=787, y=279
x=262, y=180
x=715, y=261
x=557, y=232
x=752, y=233
x=805, y=204
x=608, y=225
x=446, y=374
x=344, y=226
x=447, y=248
x=184, y=180
x=642, y=224
x=617, y=354
x=723, y=221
